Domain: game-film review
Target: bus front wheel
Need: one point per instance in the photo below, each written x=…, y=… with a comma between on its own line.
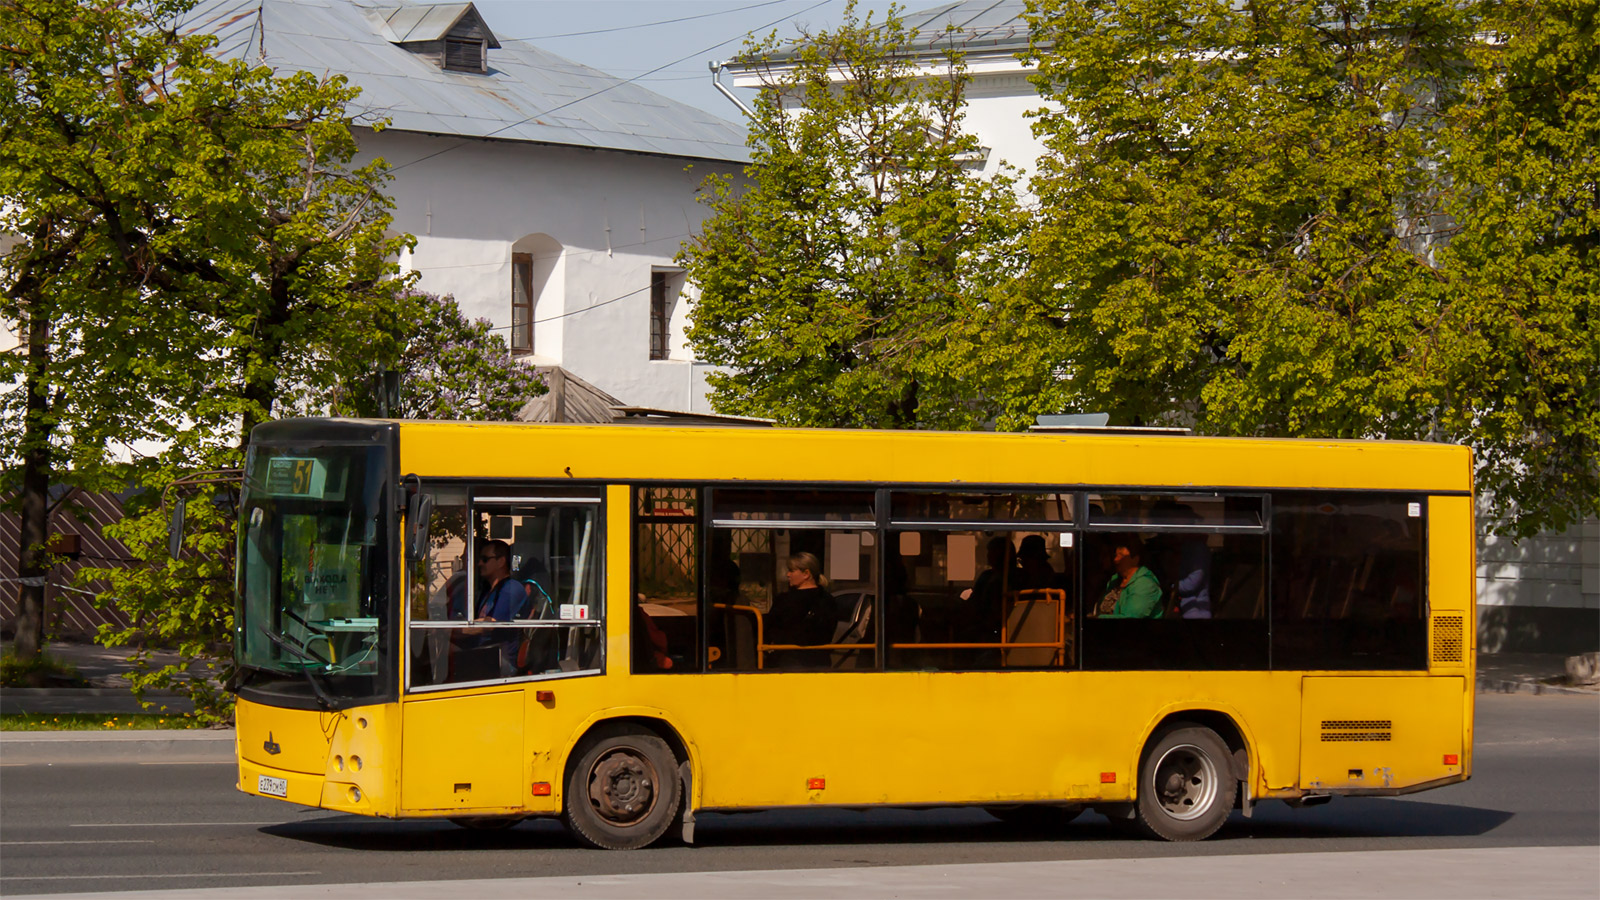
x=623, y=792
x=1186, y=786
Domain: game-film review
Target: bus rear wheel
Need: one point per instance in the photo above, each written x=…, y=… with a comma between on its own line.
x=1186, y=788
x=623, y=793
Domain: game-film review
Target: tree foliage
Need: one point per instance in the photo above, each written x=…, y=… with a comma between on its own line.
x=449, y=368
x=1266, y=218
x=1523, y=268
x=198, y=252
x=847, y=283
x=83, y=211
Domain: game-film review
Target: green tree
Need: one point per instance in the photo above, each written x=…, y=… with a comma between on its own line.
x=1245, y=213
x=79, y=112
x=1522, y=329
x=448, y=368
x=849, y=281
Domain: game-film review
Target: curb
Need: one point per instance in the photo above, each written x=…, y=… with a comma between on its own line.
x=153, y=746
x=1488, y=686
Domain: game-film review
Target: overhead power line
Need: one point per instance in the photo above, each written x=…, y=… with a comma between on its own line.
x=610, y=87
x=720, y=12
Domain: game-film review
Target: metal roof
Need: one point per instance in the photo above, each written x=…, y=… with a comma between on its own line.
x=977, y=25
x=424, y=22
x=974, y=26
x=528, y=94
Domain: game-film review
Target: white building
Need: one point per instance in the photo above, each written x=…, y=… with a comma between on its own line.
x=990, y=34
x=546, y=196
x=1538, y=594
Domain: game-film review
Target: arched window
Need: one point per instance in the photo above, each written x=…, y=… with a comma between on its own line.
x=535, y=274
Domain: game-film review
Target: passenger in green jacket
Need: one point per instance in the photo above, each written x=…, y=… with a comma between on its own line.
x=1133, y=591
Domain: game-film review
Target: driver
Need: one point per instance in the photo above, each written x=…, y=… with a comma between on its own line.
x=505, y=595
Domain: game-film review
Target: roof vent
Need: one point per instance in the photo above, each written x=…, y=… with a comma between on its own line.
x=452, y=36
x=1096, y=423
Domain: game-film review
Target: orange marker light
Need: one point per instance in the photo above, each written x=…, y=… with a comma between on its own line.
x=816, y=784
x=1451, y=759
x=1108, y=778
x=541, y=788
x=545, y=696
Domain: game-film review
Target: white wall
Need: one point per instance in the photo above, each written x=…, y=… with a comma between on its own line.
x=1555, y=570
x=616, y=216
x=998, y=104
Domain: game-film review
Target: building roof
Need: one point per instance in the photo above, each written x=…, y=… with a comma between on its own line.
x=527, y=94
x=569, y=399
x=424, y=22
x=988, y=27
x=978, y=25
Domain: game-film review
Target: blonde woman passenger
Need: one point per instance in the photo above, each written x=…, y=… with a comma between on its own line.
x=805, y=615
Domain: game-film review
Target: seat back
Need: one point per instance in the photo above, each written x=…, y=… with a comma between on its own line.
x=856, y=629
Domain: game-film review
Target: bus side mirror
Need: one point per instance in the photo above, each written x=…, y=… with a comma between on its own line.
x=418, y=512
x=175, y=530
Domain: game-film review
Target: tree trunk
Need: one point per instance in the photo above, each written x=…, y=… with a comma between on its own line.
x=35, y=496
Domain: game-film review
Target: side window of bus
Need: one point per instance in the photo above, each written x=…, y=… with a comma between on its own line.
x=1175, y=582
x=1347, y=581
x=792, y=580
x=666, y=576
x=442, y=574
x=995, y=593
x=962, y=600
x=522, y=599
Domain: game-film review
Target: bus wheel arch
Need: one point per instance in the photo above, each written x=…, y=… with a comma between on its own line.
x=1190, y=770
x=624, y=782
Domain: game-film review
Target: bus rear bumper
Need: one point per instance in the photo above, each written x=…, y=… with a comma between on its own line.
x=1293, y=795
x=1408, y=789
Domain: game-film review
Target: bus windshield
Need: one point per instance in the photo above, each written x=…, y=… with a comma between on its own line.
x=313, y=573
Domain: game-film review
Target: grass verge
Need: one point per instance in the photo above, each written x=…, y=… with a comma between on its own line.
x=88, y=722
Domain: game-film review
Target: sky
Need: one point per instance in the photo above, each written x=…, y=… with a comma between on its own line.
x=629, y=38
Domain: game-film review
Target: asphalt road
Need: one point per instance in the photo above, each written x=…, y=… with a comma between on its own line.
x=84, y=828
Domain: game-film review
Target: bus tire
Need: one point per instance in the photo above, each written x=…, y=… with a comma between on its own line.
x=623, y=792
x=1034, y=815
x=1186, y=784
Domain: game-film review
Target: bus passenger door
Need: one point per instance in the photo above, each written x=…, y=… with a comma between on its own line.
x=462, y=753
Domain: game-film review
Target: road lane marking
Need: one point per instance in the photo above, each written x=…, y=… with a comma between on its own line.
x=201, y=762
x=39, y=843
x=160, y=875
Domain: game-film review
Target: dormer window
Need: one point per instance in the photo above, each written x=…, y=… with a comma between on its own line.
x=463, y=54
x=452, y=36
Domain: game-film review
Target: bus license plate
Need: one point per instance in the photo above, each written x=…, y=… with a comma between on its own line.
x=277, y=787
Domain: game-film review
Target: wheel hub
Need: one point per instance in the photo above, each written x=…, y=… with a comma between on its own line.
x=622, y=787
x=1185, y=782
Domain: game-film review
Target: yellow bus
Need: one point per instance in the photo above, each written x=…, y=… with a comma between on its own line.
x=626, y=626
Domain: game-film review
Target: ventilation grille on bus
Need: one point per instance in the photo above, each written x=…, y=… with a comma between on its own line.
x=1449, y=633
x=1356, y=729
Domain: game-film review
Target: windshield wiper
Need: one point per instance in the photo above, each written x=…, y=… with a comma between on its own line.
x=304, y=654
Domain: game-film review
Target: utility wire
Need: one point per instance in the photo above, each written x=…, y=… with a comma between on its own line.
x=609, y=87
x=720, y=12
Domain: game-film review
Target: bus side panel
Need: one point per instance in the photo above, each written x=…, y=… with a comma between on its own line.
x=1452, y=600
x=932, y=738
x=1366, y=733
x=463, y=753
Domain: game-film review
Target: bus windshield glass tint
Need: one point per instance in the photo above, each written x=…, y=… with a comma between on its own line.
x=313, y=568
